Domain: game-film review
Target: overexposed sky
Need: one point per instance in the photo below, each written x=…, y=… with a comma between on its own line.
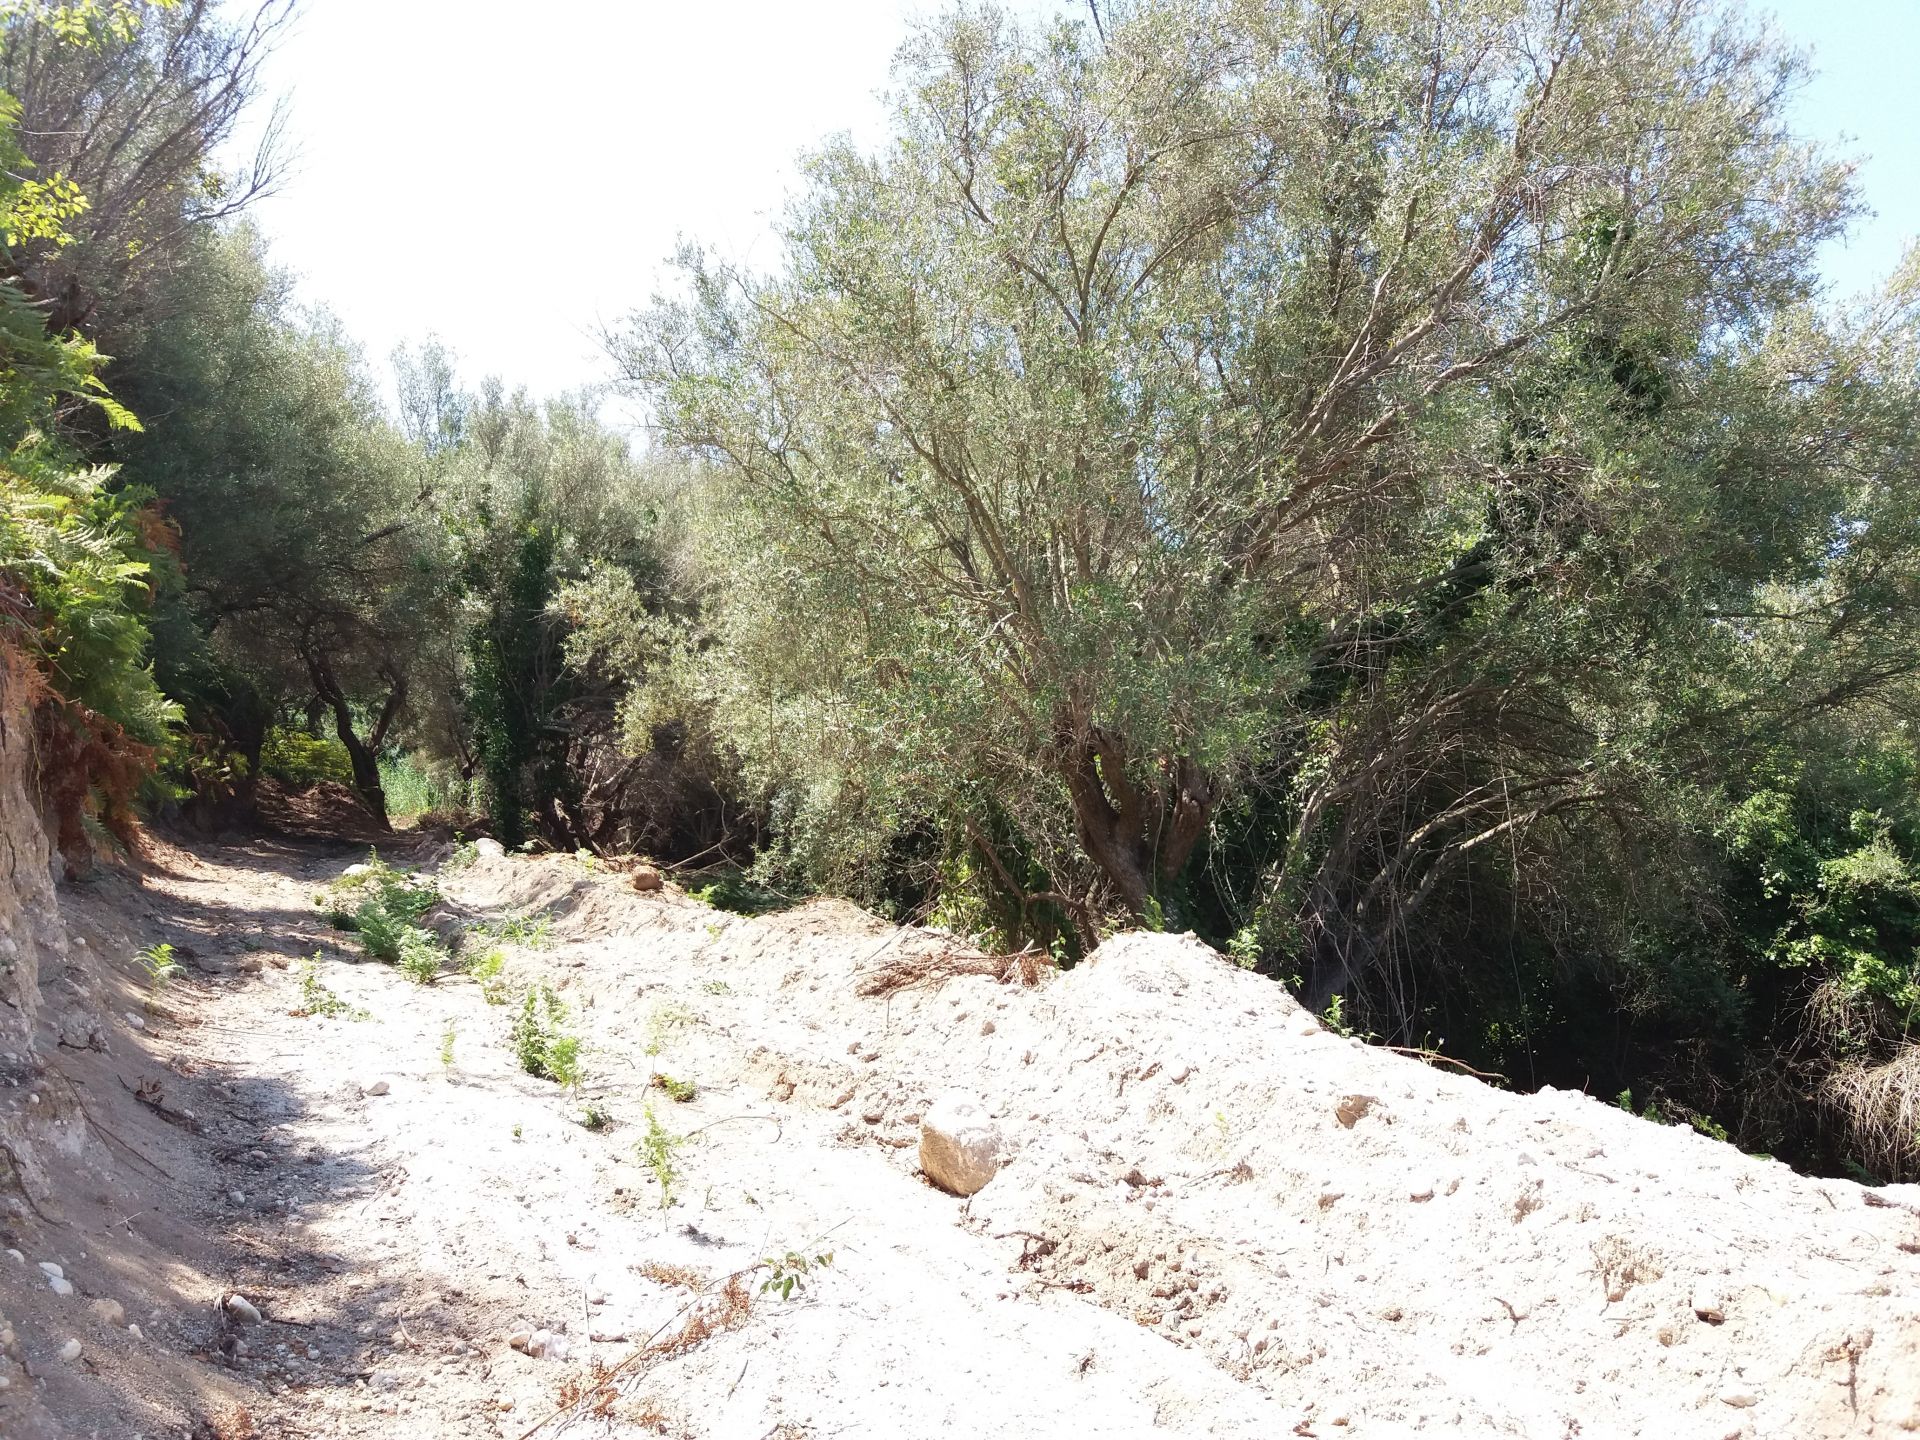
x=508, y=176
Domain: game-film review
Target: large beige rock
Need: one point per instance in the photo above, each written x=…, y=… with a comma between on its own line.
x=961, y=1146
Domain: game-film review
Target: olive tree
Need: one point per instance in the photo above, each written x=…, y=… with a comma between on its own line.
x=1145, y=419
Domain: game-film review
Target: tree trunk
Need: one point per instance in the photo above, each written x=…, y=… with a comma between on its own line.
x=360, y=754
x=1140, y=838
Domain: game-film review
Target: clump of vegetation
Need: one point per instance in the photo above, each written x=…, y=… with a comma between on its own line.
x=465, y=852
x=738, y=893
x=421, y=955
x=382, y=905
x=596, y=1117
x=533, y=932
x=485, y=970
x=680, y=1090
x=317, y=1000
x=542, y=1041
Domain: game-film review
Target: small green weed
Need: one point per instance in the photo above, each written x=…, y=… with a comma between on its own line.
x=717, y=987
x=484, y=971
x=663, y=1022
x=655, y=1151
x=161, y=967
x=317, y=1000
x=544, y=1045
x=447, y=1037
x=680, y=1090
x=596, y=1117
x=465, y=852
x=791, y=1271
x=531, y=931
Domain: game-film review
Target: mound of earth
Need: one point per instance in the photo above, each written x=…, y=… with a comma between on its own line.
x=1213, y=1217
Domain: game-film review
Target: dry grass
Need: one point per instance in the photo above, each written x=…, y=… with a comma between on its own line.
x=683, y=1277
x=709, y=1316
x=1879, y=1107
x=935, y=967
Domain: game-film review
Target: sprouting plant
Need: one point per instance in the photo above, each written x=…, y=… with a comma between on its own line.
x=596, y=1117
x=791, y=1271
x=317, y=999
x=161, y=967
x=516, y=1132
x=544, y=1045
x=1336, y=1016
x=680, y=1090
x=655, y=1150
x=420, y=955
x=717, y=987
x=465, y=852
x=447, y=1037
x=485, y=971
x=664, y=1020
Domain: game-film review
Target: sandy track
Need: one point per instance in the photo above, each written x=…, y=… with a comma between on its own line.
x=1191, y=1239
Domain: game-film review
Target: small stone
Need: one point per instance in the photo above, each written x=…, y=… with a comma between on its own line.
x=961, y=1147
x=1740, y=1399
x=243, y=1309
x=109, y=1312
x=644, y=877
x=238, y=1197
x=135, y=1022
x=60, y=1286
x=18, y=1258
x=1708, y=1305
x=1353, y=1108
x=70, y=1351
x=521, y=1340
x=374, y=1087
x=135, y=1331
x=51, y=1270
x=354, y=872
x=490, y=848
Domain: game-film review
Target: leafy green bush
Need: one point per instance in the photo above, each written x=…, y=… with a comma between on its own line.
x=542, y=1042
x=421, y=955
x=299, y=760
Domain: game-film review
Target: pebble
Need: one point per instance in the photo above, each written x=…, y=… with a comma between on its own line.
x=374, y=1087
x=70, y=1351
x=134, y=1330
x=51, y=1270
x=60, y=1286
x=109, y=1312
x=134, y=1022
x=238, y=1197
x=1708, y=1305
x=243, y=1309
x=18, y=1258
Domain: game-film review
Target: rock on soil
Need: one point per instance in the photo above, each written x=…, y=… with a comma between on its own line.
x=960, y=1145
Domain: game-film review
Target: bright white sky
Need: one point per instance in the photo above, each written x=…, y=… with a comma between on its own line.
x=508, y=176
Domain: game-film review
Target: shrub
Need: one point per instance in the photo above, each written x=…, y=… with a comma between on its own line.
x=544, y=1045
x=300, y=760
x=421, y=955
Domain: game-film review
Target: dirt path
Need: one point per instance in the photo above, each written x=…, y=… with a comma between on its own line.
x=1220, y=1220
x=395, y=1242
